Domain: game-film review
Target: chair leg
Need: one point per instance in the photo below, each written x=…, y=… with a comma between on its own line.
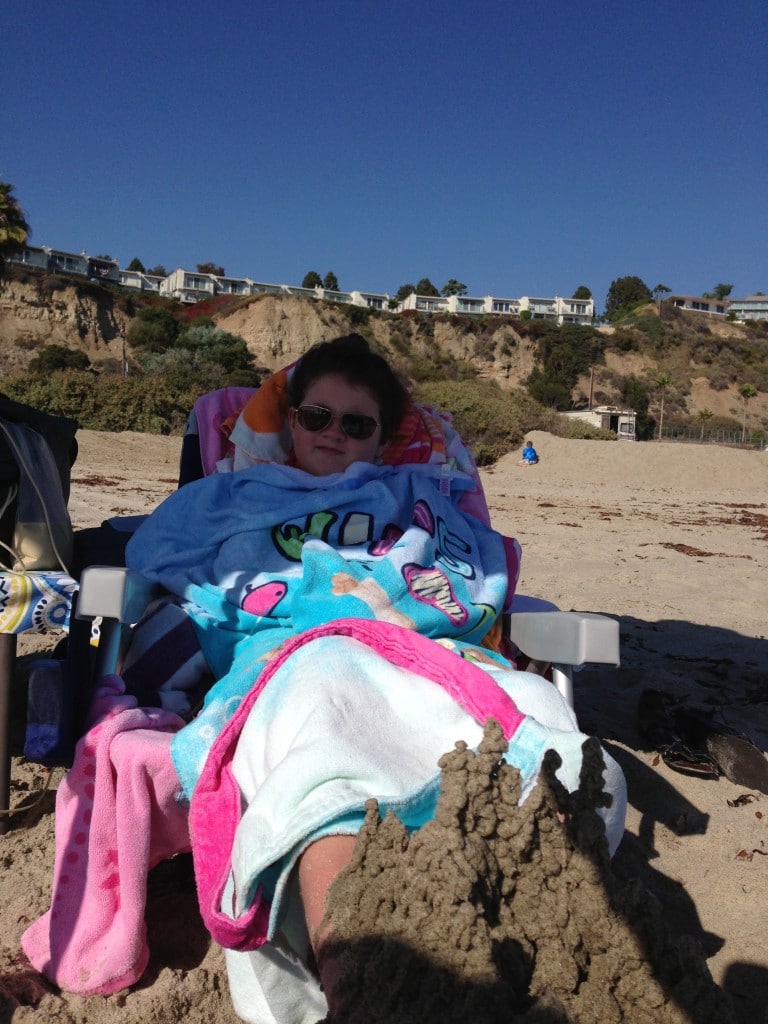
x=7, y=665
x=562, y=677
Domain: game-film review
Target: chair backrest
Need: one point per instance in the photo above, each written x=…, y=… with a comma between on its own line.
x=37, y=451
x=204, y=443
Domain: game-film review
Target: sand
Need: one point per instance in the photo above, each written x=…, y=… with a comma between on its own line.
x=672, y=540
x=506, y=914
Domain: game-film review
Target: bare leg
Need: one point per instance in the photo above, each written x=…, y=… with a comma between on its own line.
x=318, y=866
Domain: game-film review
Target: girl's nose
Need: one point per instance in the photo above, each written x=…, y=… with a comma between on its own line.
x=334, y=428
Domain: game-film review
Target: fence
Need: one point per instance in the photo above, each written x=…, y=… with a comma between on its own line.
x=696, y=435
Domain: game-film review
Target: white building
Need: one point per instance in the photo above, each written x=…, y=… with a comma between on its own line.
x=698, y=304
x=753, y=307
x=608, y=417
x=557, y=309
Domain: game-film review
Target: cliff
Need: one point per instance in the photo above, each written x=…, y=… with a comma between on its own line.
x=708, y=360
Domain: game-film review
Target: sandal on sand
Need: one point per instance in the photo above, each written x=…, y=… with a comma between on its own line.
x=689, y=743
x=682, y=759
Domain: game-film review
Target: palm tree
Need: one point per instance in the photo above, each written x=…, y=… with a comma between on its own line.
x=659, y=292
x=702, y=416
x=662, y=382
x=14, y=229
x=746, y=391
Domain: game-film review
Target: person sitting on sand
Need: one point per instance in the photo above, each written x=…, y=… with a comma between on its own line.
x=374, y=586
x=529, y=455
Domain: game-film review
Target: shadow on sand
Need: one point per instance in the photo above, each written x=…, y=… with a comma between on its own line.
x=719, y=673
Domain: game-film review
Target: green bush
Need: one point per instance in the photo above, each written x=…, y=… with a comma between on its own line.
x=58, y=357
x=154, y=330
x=107, y=403
x=492, y=422
x=579, y=430
x=357, y=315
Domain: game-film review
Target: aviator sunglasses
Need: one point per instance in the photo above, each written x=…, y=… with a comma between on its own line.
x=354, y=424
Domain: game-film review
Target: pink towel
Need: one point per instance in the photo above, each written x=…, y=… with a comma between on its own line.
x=108, y=836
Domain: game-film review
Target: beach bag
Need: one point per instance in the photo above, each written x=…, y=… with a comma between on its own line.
x=36, y=455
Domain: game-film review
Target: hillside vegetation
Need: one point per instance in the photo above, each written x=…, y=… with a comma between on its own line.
x=499, y=376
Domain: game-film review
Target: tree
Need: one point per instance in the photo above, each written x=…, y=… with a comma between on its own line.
x=662, y=382
x=623, y=292
x=659, y=292
x=563, y=354
x=158, y=271
x=719, y=292
x=312, y=280
x=211, y=268
x=635, y=393
x=746, y=391
x=425, y=287
x=582, y=292
x=14, y=230
x=331, y=282
x=703, y=415
x=136, y=265
x=404, y=291
x=453, y=287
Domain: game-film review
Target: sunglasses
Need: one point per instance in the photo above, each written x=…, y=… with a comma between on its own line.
x=354, y=424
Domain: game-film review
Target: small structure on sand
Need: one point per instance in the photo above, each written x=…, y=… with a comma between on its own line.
x=609, y=417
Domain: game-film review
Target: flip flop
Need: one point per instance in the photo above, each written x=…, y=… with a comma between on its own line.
x=683, y=759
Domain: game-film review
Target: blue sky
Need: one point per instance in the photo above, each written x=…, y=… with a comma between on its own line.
x=523, y=148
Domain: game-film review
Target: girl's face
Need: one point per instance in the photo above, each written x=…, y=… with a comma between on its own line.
x=331, y=450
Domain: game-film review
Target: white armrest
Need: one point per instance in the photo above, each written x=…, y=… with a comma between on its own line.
x=113, y=593
x=566, y=638
x=119, y=597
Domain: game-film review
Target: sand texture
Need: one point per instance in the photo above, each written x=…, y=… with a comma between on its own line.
x=497, y=912
x=673, y=541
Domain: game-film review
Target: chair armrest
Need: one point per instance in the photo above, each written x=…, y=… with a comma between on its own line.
x=566, y=638
x=118, y=596
x=113, y=593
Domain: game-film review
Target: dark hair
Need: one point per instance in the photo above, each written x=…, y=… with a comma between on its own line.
x=351, y=358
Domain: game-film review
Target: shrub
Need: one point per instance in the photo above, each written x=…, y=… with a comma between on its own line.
x=651, y=326
x=58, y=357
x=580, y=430
x=623, y=340
x=492, y=422
x=154, y=330
x=357, y=315
x=107, y=403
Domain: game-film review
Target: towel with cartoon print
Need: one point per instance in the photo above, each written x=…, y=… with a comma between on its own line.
x=267, y=553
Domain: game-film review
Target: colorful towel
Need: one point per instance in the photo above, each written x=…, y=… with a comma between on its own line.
x=424, y=437
x=270, y=552
x=117, y=815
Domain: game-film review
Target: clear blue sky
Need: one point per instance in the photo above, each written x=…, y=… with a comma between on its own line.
x=524, y=148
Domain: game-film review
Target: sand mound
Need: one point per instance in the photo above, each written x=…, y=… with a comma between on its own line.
x=499, y=912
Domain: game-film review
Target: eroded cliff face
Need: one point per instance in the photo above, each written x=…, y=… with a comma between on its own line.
x=39, y=312
x=279, y=328
x=94, y=319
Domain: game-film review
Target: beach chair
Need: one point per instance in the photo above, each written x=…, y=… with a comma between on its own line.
x=130, y=761
x=37, y=589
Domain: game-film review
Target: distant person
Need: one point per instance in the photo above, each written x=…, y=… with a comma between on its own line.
x=530, y=456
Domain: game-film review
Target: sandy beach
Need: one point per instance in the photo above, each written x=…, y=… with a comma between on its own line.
x=670, y=539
